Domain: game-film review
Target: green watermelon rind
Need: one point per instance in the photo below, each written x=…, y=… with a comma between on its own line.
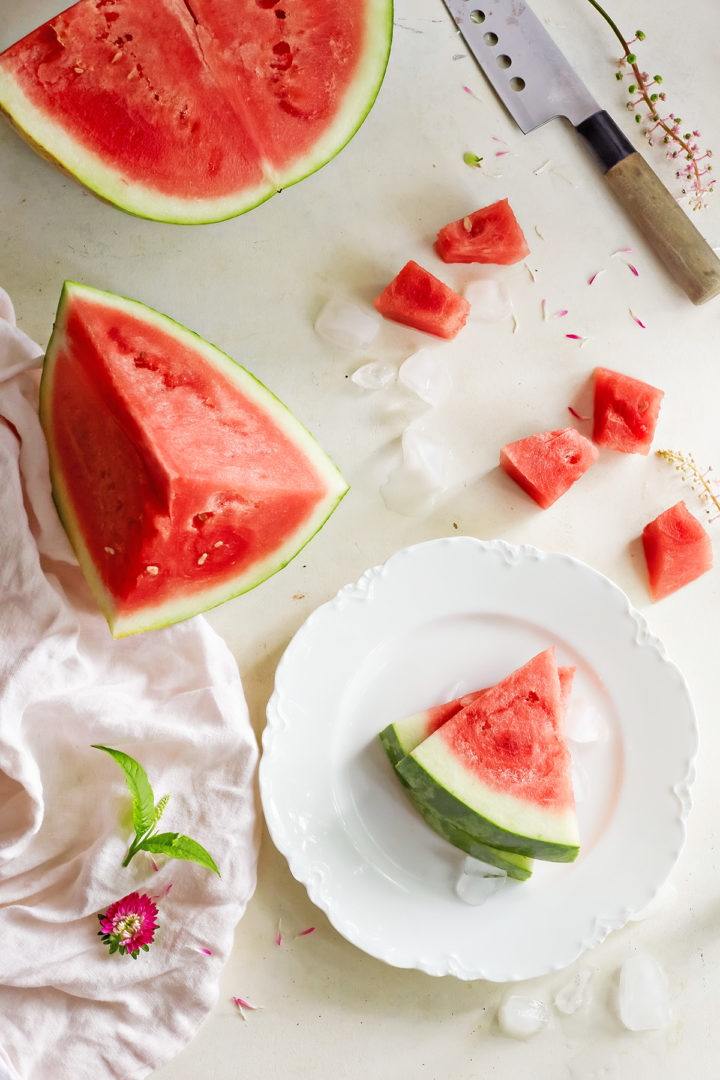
x=150, y=617
x=83, y=165
x=517, y=866
x=440, y=800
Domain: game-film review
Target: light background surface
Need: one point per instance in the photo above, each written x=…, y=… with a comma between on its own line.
x=254, y=286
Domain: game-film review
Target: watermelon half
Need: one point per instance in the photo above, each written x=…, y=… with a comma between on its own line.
x=500, y=770
x=180, y=479
x=196, y=110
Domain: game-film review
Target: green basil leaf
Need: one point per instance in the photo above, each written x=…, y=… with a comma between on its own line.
x=178, y=846
x=143, y=800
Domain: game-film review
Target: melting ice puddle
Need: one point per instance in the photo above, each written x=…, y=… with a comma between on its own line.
x=346, y=324
x=412, y=487
x=520, y=1016
x=643, y=995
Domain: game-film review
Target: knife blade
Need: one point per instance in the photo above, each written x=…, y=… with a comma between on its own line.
x=536, y=83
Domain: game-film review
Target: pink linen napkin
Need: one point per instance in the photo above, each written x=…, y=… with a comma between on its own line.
x=170, y=698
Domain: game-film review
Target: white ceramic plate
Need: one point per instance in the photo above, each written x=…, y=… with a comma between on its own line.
x=438, y=619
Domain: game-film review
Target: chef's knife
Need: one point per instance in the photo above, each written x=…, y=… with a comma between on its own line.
x=536, y=83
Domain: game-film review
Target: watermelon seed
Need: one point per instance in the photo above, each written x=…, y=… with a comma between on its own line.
x=202, y=558
x=116, y=57
x=153, y=569
x=218, y=543
x=110, y=550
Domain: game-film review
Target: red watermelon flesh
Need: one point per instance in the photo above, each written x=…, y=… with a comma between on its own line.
x=677, y=550
x=418, y=299
x=512, y=735
x=546, y=465
x=500, y=769
x=180, y=479
x=489, y=235
x=625, y=412
x=194, y=111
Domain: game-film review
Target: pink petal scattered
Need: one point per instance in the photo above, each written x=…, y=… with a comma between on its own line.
x=595, y=276
x=154, y=864
x=278, y=935
x=501, y=153
x=205, y=952
x=241, y=1003
x=309, y=930
x=496, y=138
x=633, y=269
x=577, y=337
x=470, y=92
x=543, y=308
x=577, y=415
x=622, y=251
x=638, y=321
x=560, y=314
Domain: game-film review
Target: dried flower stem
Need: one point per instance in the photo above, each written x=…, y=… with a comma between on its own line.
x=668, y=127
x=699, y=481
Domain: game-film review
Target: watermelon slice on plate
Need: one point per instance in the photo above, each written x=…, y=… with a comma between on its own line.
x=489, y=235
x=180, y=479
x=403, y=736
x=500, y=769
x=195, y=112
x=548, y=464
x=625, y=412
x=417, y=298
x=677, y=550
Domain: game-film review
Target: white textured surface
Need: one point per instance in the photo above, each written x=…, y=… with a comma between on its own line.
x=331, y=1011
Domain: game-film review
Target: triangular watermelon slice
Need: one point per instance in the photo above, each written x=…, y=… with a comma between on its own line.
x=196, y=110
x=180, y=479
x=499, y=769
x=403, y=736
x=548, y=464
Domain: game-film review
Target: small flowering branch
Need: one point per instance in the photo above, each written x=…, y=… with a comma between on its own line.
x=646, y=95
x=706, y=488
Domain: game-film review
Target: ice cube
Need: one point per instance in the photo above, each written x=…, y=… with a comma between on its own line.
x=574, y=993
x=643, y=996
x=489, y=300
x=478, y=881
x=412, y=487
x=584, y=722
x=375, y=375
x=522, y=1016
x=427, y=376
x=346, y=324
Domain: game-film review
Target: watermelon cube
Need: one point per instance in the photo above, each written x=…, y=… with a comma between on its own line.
x=625, y=412
x=417, y=298
x=677, y=550
x=546, y=465
x=489, y=235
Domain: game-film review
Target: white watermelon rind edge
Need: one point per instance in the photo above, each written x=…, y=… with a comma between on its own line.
x=150, y=617
x=133, y=197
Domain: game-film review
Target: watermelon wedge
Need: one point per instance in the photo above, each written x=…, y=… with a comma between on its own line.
x=499, y=769
x=417, y=298
x=489, y=235
x=180, y=479
x=196, y=111
x=625, y=412
x=548, y=464
x=677, y=550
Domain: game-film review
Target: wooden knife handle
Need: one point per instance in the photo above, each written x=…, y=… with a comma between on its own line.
x=664, y=224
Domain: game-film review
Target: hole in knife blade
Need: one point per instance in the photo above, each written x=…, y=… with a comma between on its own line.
x=503, y=61
x=477, y=16
x=490, y=38
x=517, y=84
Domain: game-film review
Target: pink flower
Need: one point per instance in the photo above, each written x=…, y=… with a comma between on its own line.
x=129, y=924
